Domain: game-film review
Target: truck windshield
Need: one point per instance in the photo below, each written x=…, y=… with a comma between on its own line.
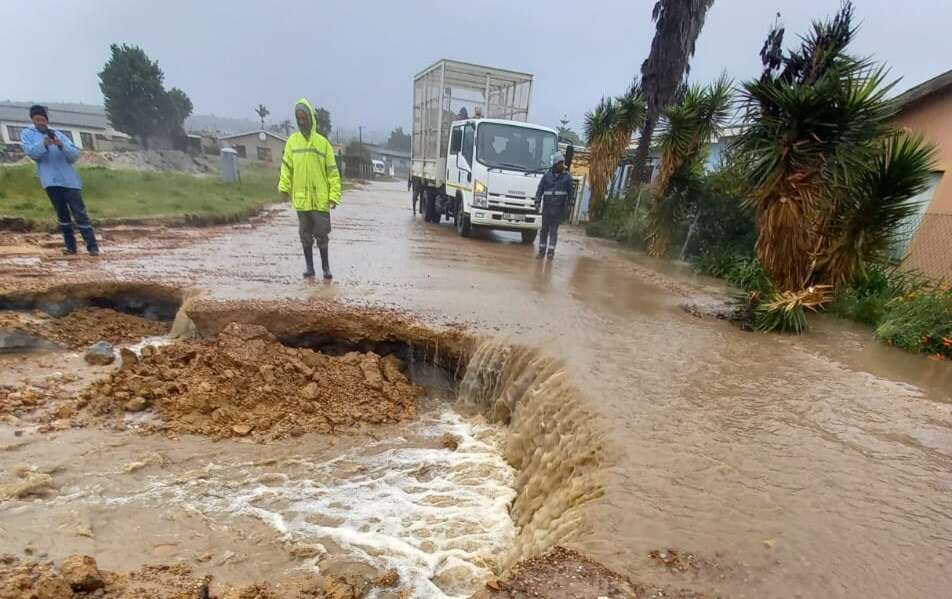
x=514, y=147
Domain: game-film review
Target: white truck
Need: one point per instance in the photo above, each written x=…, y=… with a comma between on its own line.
x=475, y=159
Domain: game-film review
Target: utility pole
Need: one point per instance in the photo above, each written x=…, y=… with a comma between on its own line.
x=360, y=135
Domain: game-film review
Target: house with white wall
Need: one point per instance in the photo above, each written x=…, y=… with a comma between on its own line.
x=86, y=125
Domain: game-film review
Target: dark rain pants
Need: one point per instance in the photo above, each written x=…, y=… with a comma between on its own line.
x=314, y=226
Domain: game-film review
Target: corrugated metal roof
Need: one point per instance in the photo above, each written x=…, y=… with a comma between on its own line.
x=255, y=133
x=77, y=115
x=924, y=89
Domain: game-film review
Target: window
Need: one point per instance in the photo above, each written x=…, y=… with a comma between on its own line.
x=514, y=147
x=68, y=134
x=87, y=139
x=910, y=225
x=14, y=133
x=242, y=152
x=469, y=132
x=456, y=141
x=101, y=137
x=264, y=154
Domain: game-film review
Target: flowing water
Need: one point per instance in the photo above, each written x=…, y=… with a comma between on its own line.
x=247, y=513
x=813, y=466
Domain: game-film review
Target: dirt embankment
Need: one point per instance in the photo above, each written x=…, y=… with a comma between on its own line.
x=81, y=328
x=331, y=324
x=559, y=574
x=245, y=383
x=78, y=577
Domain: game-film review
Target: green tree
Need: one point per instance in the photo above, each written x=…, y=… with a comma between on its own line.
x=830, y=174
x=399, y=140
x=262, y=112
x=131, y=86
x=677, y=26
x=176, y=107
x=689, y=126
x=568, y=135
x=323, y=121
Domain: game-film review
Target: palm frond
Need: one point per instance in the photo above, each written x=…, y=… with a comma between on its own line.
x=865, y=226
x=785, y=312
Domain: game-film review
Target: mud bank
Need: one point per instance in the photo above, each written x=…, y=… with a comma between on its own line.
x=154, y=302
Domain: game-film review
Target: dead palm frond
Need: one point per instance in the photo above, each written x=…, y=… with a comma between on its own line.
x=785, y=311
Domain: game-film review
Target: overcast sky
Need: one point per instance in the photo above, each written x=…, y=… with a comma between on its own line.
x=357, y=58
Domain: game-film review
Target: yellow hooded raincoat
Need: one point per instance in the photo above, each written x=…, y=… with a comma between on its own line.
x=308, y=169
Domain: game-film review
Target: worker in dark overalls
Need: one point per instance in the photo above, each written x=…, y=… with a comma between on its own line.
x=553, y=192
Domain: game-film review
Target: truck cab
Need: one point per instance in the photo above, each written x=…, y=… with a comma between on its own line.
x=480, y=171
x=493, y=168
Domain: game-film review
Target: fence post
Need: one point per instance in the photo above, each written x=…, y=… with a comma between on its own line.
x=687, y=240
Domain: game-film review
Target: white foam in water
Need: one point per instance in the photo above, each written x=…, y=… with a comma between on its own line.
x=436, y=516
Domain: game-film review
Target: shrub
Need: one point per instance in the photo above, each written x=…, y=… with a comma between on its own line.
x=919, y=321
x=743, y=271
x=620, y=221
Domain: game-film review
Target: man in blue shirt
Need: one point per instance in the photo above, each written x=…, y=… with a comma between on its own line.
x=55, y=154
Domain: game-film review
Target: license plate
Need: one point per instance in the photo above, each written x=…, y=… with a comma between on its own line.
x=516, y=218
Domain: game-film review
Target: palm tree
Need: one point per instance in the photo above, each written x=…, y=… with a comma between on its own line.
x=689, y=127
x=630, y=117
x=831, y=179
x=262, y=112
x=677, y=26
x=601, y=131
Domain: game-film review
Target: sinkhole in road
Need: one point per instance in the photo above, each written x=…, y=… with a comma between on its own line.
x=260, y=429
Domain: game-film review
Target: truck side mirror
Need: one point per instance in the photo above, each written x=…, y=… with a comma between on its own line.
x=456, y=140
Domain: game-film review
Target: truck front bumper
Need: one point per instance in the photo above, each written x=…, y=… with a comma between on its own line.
x=506, y=221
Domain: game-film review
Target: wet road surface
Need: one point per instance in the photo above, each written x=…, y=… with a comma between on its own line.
x=814, y=466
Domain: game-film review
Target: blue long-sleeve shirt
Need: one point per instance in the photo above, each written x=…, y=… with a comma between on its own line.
x=54, y=165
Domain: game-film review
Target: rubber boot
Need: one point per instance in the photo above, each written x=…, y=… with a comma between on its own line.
x=325, y=265
x=551, y=253
x=541, y=253
x=309, y=259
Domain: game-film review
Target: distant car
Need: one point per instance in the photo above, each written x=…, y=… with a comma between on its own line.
x=380, y=169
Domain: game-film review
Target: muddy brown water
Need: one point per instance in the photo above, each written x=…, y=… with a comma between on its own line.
x=805, y=466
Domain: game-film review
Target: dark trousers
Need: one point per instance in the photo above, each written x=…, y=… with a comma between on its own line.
x=549, y=235
x=314, y=227
x=69, y=207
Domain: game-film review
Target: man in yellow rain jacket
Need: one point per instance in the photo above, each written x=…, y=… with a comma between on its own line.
x=310, y=179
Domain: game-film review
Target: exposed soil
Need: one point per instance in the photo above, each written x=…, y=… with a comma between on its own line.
x=79, y=577
x=566, y=574
x=81, y=328
x=246, y=383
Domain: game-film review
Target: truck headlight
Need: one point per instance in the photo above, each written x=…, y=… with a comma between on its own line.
x=480, y=195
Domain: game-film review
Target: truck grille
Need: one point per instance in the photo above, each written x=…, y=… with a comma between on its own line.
x=511, y=209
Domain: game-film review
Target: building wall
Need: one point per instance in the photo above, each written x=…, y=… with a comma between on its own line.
x=931, y=248
x=75, y=133
x=251, y=144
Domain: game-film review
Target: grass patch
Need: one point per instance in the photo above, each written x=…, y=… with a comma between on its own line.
x=117, y=194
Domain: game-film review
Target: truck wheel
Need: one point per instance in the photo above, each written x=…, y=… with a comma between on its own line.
x=528, y=237
x=463, y=226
